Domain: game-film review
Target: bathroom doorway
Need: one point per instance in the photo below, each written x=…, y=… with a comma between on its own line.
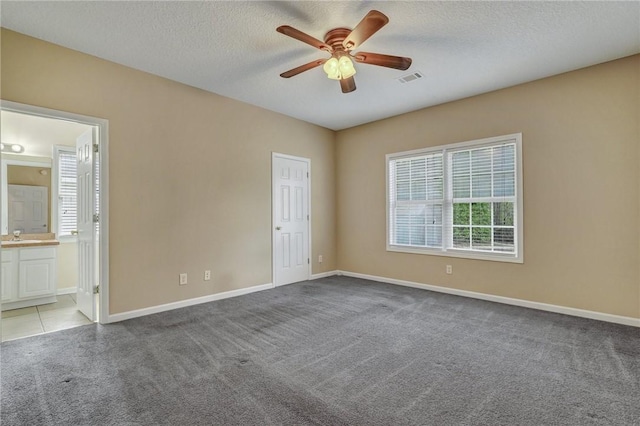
x=75, y=160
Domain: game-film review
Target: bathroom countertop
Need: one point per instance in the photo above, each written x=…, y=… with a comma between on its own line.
x=29, y=243
x=30, y=240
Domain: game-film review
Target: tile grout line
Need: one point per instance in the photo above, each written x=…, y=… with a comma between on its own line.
x=40, y=312
x=40, y=317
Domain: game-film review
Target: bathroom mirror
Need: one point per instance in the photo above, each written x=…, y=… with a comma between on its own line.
x=26, y=193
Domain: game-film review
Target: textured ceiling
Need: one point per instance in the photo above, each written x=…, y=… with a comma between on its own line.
x=232, y=48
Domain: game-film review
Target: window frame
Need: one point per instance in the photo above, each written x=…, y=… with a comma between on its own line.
x=55, y=200
x=447, y=225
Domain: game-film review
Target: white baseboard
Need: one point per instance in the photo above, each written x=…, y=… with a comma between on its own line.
x=323, y=275
x=66, y=290
x=184, y=303
x=600, y=316
x=635, y=322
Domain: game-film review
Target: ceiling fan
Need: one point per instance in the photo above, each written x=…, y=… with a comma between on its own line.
x=339, y=42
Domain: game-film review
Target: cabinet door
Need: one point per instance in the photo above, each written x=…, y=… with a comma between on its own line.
x=37, y=278
x=8, y=283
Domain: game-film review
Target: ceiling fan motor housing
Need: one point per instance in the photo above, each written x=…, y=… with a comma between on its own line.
x=335, y=37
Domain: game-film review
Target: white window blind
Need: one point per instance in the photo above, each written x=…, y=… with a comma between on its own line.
x=460, y=200
x=67, y=187
x=417, y=195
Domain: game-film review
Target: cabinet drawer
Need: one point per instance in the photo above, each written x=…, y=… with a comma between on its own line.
x=8, y=255
x=38, y=253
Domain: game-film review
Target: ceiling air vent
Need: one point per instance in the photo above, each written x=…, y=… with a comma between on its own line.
x=410, y=77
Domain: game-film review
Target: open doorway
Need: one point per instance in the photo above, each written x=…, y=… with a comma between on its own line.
x=48, y=286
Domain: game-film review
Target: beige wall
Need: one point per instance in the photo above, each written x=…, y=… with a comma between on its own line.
x=67, y=265
x=581, y=189
x=189, y=172
x=27, y=175
x=190, y=181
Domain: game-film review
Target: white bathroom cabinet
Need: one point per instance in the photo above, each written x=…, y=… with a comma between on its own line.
x=28, y=276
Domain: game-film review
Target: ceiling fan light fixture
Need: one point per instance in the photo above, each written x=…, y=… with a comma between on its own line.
x=346, y=67
x=339, y=68
x=332, y=68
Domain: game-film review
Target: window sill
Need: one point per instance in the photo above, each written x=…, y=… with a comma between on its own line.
x=68, y=239
x=464, y=254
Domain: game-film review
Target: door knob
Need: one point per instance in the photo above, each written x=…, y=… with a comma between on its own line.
x=278, y=228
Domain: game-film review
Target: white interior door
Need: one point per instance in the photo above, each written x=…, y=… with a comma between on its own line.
x=28, y=209
x=290, y=219
x=87, y=278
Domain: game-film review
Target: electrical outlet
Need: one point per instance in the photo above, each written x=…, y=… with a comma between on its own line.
x=449, y=269
x=207, y=275
x=183, y=279
x=320, y=259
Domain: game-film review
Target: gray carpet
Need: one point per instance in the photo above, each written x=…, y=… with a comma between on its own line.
x=337, y=351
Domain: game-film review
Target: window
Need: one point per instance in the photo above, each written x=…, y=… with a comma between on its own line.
x=462, y=200
x=66, y=222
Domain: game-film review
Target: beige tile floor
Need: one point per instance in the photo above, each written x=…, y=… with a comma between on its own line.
x=41, y=319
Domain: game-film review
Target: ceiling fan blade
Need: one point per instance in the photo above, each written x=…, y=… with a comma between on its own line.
x=303, y=68
x=397, y=62
x=305, y=38
x=369, y=25
x=348, y=84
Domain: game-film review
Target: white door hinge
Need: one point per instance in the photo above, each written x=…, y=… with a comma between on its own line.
x=96, y=148
x=96, y=218
x=96, y=289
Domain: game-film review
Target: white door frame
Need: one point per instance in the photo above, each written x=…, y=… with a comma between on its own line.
x=275, y=155
x=103, y=154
